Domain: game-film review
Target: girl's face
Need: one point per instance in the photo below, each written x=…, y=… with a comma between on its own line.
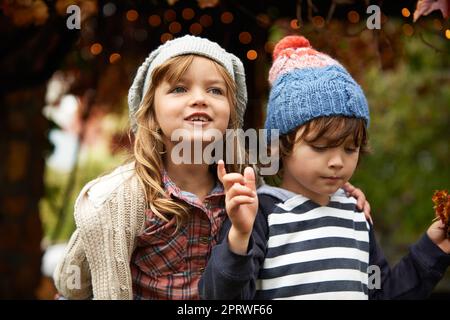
x=196, y=103
x=316, y=170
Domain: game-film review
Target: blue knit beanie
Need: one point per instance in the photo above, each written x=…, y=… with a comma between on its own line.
x=307, y=84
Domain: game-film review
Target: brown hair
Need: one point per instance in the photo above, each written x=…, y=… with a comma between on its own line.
x=339, y=126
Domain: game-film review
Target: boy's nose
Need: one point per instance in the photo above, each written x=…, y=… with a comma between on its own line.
x=336, y=161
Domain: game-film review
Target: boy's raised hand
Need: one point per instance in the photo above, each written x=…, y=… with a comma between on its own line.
x=241, y=203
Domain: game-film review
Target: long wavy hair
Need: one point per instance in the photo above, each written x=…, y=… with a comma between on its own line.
x=149, y=148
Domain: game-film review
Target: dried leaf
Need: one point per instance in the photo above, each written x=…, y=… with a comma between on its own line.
x=441, y=200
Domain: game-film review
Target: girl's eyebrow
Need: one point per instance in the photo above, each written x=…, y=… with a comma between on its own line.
x=215, y=81
x=208, y=80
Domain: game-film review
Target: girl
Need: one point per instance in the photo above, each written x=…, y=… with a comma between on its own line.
x=146, y=230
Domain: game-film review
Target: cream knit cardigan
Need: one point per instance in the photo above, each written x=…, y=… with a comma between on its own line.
x=109, y=214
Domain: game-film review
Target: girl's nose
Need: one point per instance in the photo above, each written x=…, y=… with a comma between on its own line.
x=198, y=98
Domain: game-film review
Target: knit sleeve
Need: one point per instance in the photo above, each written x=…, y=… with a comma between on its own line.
x=232, y=276
x=72, y=276
x=229, y=275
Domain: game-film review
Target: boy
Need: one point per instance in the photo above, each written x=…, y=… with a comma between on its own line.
x=308, y=240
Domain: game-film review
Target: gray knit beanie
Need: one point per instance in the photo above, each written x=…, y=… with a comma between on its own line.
x=181, y=46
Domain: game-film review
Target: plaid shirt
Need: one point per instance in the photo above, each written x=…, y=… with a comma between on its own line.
x=165, y=265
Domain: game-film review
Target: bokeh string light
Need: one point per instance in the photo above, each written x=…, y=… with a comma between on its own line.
x=132, y=15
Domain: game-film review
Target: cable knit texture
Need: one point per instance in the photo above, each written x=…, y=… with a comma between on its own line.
x=182, y=46
x=308, y=84
x=105, y=238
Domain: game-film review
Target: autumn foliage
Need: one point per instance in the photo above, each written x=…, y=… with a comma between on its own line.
x=441, y=200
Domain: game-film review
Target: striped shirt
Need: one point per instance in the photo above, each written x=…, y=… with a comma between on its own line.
x=168, y=265
x=315, y=252
x=312, y=252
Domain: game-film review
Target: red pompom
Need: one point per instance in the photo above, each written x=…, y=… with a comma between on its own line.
x=290, y=42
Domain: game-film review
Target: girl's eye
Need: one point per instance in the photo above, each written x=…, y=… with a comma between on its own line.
x=319, y=148
x=216, y=91
x=178, y=90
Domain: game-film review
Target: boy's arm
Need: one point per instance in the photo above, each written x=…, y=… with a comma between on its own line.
x=232, y=276
x=414, y=277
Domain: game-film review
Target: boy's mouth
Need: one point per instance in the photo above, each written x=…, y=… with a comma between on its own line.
x=332, y=178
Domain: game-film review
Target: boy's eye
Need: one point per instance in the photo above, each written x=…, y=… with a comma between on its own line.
x=216, y=91
x=319, y=148
x=178, y=90
x=350, y=150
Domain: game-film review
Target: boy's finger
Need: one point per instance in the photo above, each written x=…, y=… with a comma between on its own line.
x=231, y=178
x=250, y=180
x=221, y=171
x=239, y=200
x=239, y=190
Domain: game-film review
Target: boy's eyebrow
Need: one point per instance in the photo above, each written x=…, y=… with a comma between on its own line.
x=332, y=140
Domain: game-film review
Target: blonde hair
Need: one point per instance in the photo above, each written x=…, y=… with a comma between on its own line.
x=149, y=147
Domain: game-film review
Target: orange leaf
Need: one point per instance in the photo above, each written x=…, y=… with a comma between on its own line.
x=441, y=200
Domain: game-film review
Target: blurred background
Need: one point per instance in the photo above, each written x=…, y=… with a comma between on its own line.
x=64, y=115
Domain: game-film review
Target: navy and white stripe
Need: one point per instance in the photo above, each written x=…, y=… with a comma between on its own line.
x=315, y=252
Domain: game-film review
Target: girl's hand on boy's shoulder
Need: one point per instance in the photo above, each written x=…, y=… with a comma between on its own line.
x=361, y=201
x=437, y=233
x=241, y=201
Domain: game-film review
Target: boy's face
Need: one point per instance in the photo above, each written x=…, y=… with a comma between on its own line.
x=317, y=170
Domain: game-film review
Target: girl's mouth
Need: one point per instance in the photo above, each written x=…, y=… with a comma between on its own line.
x=199, y=118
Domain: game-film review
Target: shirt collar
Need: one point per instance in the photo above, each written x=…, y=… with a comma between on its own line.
x=173, y=190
